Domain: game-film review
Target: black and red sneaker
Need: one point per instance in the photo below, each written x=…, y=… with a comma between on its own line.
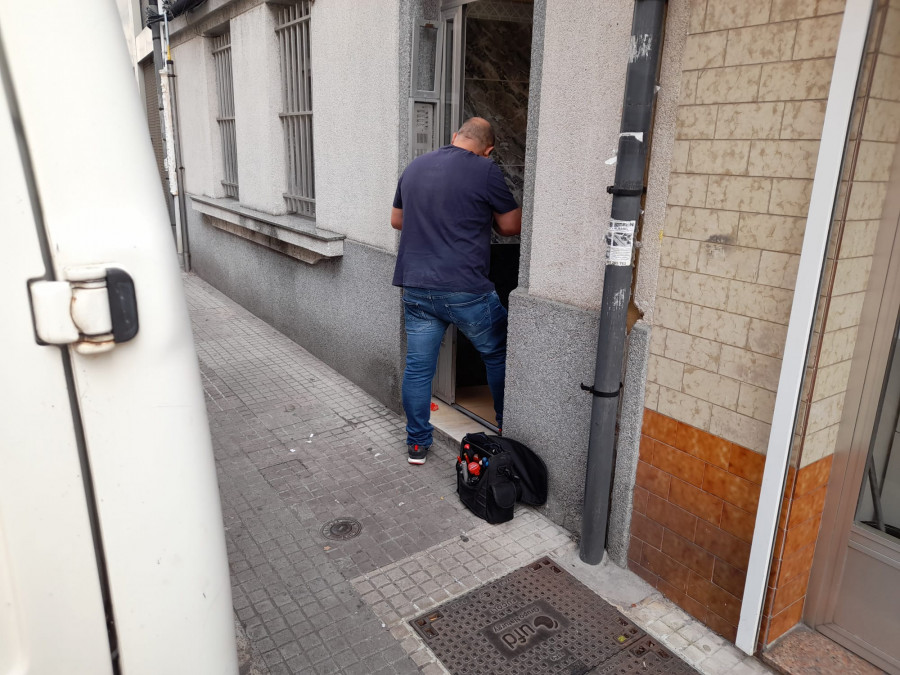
x=417, y=453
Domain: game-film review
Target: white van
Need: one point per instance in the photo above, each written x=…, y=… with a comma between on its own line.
x=112, y=549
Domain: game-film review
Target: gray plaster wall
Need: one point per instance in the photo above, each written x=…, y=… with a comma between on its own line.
x=355, y=60
x=356, y=53
x=343, y=311
x=585, y=54
x=551, y=352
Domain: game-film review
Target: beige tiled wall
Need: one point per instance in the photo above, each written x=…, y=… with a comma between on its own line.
x=755, y=78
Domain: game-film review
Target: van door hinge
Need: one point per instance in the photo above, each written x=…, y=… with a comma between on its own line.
x=93, y=309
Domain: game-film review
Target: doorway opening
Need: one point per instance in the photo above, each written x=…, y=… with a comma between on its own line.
x=485, y=72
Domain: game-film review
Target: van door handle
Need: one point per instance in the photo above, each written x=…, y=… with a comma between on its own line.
x=122, y=304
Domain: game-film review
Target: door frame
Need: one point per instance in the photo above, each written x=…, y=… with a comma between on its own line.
x=871, y=359
x=444, y=383
x=456, y=13
x=841, y=96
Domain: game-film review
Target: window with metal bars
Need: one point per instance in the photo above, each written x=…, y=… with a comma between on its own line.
x=225, y=88
x=292, y=29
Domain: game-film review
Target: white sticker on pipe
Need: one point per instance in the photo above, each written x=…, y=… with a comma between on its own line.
x=640, y=47
x=634, y=134
x=620, y=242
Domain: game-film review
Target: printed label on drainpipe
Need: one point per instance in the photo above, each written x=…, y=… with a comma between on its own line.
x=165, y=83
x=619, y=242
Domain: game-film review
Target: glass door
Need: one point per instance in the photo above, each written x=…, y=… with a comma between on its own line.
x=865, y=603
x=878, y=508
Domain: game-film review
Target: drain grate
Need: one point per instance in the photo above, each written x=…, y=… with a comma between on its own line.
x=540, y=619
x=341, y=529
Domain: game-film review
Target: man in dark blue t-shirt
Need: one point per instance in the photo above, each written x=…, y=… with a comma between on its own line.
x=445, y=205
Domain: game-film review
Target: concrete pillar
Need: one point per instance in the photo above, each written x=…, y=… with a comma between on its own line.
x=201, y=142
x=257, y=103
x=585, y=52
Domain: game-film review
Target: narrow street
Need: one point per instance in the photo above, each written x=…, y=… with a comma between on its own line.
x=297, y=447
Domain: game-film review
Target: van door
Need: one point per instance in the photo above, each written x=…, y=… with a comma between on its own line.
x=47, y=552
x=134, y=391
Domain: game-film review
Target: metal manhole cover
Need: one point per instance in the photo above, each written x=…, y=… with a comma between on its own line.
x=341, y=529
x=540, y=619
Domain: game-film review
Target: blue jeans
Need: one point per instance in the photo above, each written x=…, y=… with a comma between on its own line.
x=480, y=317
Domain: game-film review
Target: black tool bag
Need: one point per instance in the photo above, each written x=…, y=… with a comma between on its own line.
x=513, y=473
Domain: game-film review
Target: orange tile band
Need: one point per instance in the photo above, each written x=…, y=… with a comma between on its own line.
x=695, y=500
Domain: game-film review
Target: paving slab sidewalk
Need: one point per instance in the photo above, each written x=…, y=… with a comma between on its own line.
x=297, y=445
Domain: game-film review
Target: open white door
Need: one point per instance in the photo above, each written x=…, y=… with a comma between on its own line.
x=158, y=544
x=47, y=552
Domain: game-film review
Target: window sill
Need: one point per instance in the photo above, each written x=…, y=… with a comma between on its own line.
x=294, y=236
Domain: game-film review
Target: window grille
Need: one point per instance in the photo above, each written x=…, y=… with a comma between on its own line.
x=292, y=30
x=225, y=88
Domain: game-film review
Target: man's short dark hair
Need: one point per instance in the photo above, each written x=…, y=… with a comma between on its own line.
x=478, y=129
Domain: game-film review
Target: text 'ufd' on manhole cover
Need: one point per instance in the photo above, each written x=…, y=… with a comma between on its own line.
x=540, y=619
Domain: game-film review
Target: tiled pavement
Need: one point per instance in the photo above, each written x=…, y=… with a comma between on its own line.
x=297, y=445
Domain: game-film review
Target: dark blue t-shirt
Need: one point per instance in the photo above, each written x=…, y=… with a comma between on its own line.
x=448, y=199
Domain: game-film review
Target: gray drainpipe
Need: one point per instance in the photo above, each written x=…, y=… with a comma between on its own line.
x=179, y=168
x=153, y=20
x=628, y=190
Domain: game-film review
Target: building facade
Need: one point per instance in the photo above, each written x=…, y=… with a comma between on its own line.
x=754, y=485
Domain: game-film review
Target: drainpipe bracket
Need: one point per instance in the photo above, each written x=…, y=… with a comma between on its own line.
x=602, y=394
x=626, y=192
